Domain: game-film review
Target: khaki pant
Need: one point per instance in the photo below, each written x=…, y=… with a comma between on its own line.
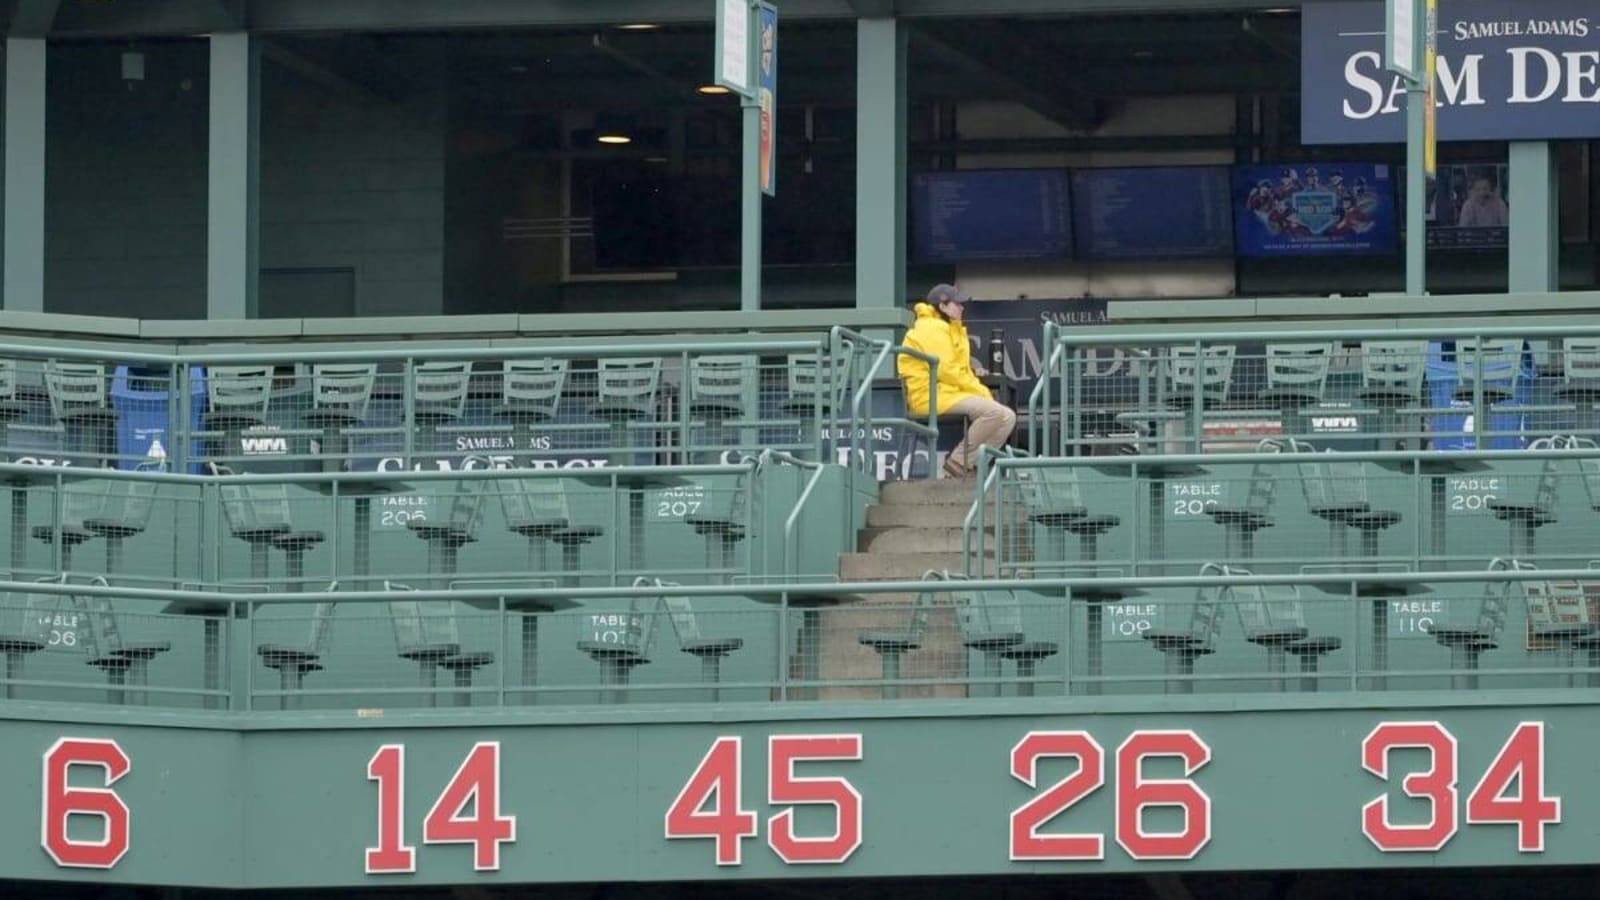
x=988, y=425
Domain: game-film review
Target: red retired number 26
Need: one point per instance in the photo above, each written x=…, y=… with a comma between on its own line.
x=1134, y=794
x=1520, y=760
x=476, y=782
x=711, y=803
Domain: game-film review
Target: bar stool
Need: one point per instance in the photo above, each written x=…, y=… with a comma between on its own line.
x=818, y=382
x=238, y=397
x=11, y=409
x=721, y=521
x=1492, y=366
x=722, y=389
x=711, y=651
x=991, y=623
x=893, y=644
x=1392, y=374
x=339, y=396
x=1297, y=374
x=124, y=513
x=25, y=630
x=1196, y=379
x=256, y=514
x=620, y=642
x=1241, y=519
x=78, y=399
x=1581, y=382
x=1182, y=646
x=1334, y=491
x=80, y=500
x=625, y=393
x=530, y=394
x=1527, y=514
x=536, y=509
x=426, y=633
x=459, y=527
x=123, y=661
x=293, y=661
x=438, y=397
x=1468, y=642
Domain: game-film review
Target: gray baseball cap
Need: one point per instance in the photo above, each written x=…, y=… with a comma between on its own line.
x=946, y=293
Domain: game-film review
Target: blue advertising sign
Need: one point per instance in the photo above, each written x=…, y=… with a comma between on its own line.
x=767, y=97
x=991, y=214
x=1295, y=210
x=1507, y=70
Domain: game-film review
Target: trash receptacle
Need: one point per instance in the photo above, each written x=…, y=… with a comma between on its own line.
x=1457, y=432
x=141, y=396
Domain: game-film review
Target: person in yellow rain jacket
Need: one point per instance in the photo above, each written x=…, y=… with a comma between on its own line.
x=939, y=332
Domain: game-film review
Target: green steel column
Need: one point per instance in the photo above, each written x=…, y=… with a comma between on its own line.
x=235, y=174
x=24, y=185
x=1535, y=234
x=880, y=163
x=1416, y=194
x=751, y=196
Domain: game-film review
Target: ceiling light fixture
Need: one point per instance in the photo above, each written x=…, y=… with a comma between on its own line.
x=639, y=26
x=712, y=90
x=613, y=138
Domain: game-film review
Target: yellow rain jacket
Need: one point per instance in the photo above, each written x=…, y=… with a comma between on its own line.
x=935, y=336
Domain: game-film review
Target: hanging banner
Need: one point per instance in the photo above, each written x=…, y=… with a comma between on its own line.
x=1506, y=70
x=767, y=97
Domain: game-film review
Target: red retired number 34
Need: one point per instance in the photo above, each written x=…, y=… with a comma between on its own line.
x=711, y=804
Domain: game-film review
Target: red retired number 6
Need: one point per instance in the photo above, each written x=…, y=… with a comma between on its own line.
x=711, y=803
x=62, y=801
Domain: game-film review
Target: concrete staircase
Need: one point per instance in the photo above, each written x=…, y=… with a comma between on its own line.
x=915, y=527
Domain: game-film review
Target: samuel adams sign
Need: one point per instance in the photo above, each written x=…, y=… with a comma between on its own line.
x=1508, y=69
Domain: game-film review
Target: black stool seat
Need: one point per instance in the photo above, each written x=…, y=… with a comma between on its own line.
x=1463, y=637
x=112, y=527
x=91, y=416
x=70, y=534
x=711, y=646
x=262, y=533
x=435, y=416
x=617, y=412
x=278, y=656
x=539, y=528
x=1374, y=519
x=1286, y=398
x=16, y=643
x=429, y=653
x=612, y=652
x=1097, y=524
x=715, y=409
x=330, y=418
x=1521, y=512
x=1278, y=637
x=1384, y=397
x=523, y=412
x=1491, y=393
x=709, y=525
x=1247, y=519
x=297, y=540
x=141, y=651
x=230, y=421
x=1316, y=646
x=450, y=534
x=1058, y=517
x=466, y=662
x=1340, y=512
x=892, y=641
x=578, y=534
x=1030, y=650
x=1170, y=640
x=994, y=643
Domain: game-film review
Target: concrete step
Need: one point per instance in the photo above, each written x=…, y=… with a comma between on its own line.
x=898, y=566
x=909, y=539
x=942, y=515
x=919, y=492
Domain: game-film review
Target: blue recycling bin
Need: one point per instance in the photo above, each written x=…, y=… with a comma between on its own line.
x=140, y=395
x=1456, y=432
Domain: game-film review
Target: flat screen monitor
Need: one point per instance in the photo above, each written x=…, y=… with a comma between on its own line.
x=1318, y=209
x=1152, y=213
x=991, y=214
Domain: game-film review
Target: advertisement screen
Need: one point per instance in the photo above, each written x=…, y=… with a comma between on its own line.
x=1306, y=209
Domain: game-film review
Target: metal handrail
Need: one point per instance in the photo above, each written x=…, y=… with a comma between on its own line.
x=1102, y=337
